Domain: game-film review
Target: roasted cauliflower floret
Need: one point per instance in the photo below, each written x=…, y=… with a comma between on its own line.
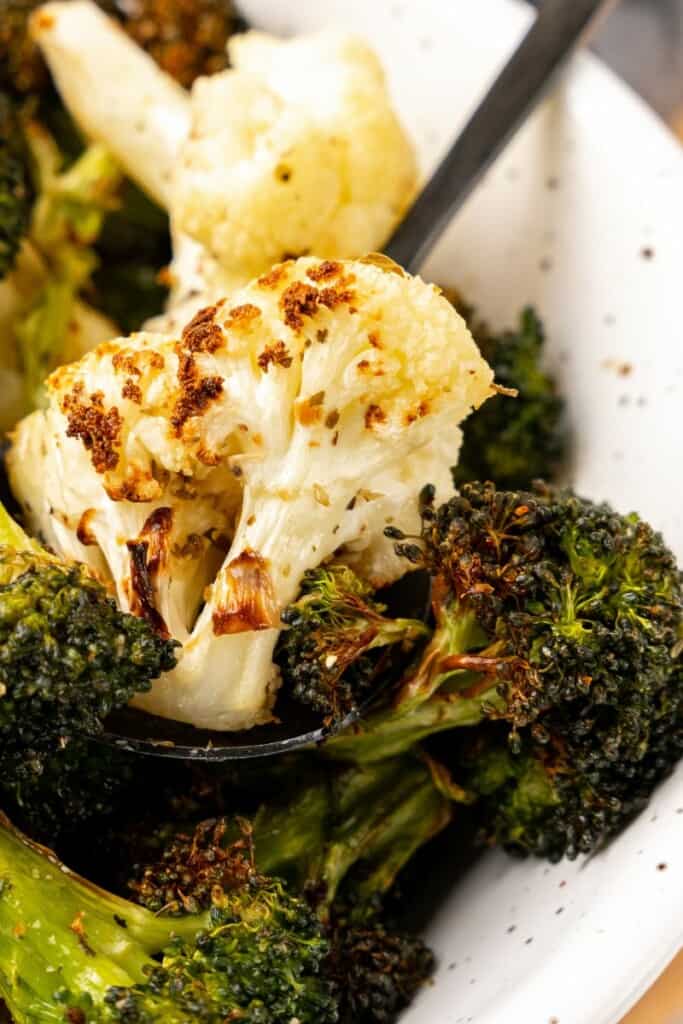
x=311, y=157
x=293, y=150
x=205, y=473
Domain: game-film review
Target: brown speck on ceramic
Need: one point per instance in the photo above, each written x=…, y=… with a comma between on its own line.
x=647, y=252
x=560, y=910
x=552, y=183
x=554, y=1020
x=511, y=929
x=563, y=883
x=662, y=867
x=527, y=942
x=545, y=264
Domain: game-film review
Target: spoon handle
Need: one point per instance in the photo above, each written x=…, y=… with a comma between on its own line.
x=558, y=28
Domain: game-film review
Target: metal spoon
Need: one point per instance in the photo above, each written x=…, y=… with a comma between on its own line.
x=558, y=28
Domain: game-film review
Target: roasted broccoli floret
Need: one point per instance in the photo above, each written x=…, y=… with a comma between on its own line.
x=53, y=795
x=16, y=193
x=558, y=624
x=341, y=840
x=68, y=657
x=514, y=440
x=327, y=654
x=22, y=69
x=378, y=971
x=255, y=955
x=187, y=38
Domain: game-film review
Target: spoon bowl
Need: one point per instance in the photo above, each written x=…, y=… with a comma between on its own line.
x=295, y=725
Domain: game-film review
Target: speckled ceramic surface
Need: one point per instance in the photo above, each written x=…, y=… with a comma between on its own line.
x=584, y=217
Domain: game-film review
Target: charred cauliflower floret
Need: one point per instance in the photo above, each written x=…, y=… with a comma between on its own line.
x=205, y=473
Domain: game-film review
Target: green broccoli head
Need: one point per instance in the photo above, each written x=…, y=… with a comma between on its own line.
x=256, y=955
x=68, y=656
x=514, y=440
x=330, y=654
x=16, y=192
x=558, y=623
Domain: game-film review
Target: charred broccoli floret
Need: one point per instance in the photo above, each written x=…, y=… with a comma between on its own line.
x=340, y=840
x=377, y=971
x=514, y=440
x=22, y=69
x=255, y=955
x=187, y=38
x=327, y=654
x=16, y=193
x=558, y=623
x=68, y=657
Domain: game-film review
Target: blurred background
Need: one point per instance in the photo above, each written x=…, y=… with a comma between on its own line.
x=643, y=41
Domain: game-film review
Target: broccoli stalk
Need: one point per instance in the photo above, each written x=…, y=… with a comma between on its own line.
x=557, y=632
x=255, y=955
x=326, y=655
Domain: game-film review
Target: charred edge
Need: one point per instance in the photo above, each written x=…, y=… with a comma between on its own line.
x=197, y=392
x=277, y=354
x=156, y=532
x=98, y=429
x=84, y=531
x=325, y=270
x=203, y=334
x=251, y=604
x=142, y=591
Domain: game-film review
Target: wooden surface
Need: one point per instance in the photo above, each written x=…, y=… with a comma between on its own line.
x=663, y=1004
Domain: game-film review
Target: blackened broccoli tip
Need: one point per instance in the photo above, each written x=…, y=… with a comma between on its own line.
x=558, y=624
x=378, y=971
x=256, y=955
x=328, y=652
x=514, y=440
x=16, y=192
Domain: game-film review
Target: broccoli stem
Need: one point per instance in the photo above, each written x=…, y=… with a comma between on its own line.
x=390, y=732
x=372, y=817
x=443, y=692
x=59, y=931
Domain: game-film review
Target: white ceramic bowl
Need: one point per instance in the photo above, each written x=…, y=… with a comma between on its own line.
x=583, y=216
